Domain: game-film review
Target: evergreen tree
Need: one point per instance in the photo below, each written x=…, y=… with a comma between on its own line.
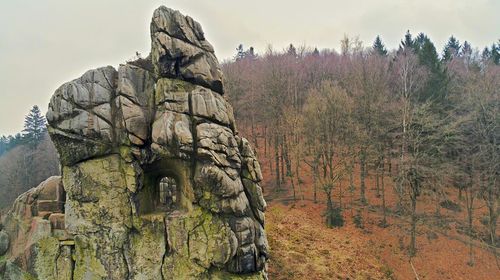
x=420, y=41
x=451, y=49
x=3, y=145
x=486, y=54
x=292, y=50
x=315, y=52
x=435, y=87
x=14, y=141
x=379, y=47
x=466, y=51
x=495, y=53
x=240, y=52
x=407, y=42
x=34, y=126
x=250, y=53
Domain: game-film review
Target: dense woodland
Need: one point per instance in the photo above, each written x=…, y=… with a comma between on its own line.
x=417, y=119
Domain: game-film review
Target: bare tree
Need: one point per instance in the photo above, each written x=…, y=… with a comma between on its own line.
x=408, y=78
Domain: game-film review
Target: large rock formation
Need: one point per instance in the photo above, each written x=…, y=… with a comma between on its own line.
x=156, y=183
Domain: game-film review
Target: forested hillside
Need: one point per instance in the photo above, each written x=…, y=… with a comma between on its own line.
x=405, y=139
x=26, y=159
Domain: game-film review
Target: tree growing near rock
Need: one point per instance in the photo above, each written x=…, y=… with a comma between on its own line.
x=34, y=126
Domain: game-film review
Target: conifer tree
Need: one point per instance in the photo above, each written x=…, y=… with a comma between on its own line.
x=379, y=47
x=3, y=144
x=315, y=52
x=251, y=53
x=240, y=53
x=34, y=126
x=407, y=42
x=466, y=50
x=495, y=53
x=485, y=54
x=428, y=57
x=291, y=50
x=452, y=49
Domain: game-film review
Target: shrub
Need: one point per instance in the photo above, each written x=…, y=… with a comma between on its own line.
x=358, y=219
x=334, y=217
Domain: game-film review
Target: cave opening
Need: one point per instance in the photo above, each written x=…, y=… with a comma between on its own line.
x=163, y=188
x=160, y=193
x=167, y=193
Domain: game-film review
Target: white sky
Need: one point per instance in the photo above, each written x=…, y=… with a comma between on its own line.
x=44, y=43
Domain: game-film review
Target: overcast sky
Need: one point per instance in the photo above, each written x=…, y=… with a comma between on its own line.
x=44, y=43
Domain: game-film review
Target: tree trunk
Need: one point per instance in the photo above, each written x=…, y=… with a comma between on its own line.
x=340, y=195
x=329, y=208
x=377, y=182
x=297, y=175
x=413, y=231
x=254, y=134
x=265, y=139
x=469, y=196
x=363, y=175
x=286, y=154
x=282, y=159
x=277, y=162
x=315, y=179
x=324, y=165
x=493, y=217
x=384, y=208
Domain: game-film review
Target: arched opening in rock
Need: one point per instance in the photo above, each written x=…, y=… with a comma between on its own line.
x=167, y=193
x=165, y=188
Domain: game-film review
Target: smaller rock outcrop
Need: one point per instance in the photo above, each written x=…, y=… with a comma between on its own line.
x=34, y=234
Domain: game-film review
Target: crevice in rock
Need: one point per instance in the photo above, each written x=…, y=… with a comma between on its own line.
x=167, y=247
x=128, y=97
x=111, y=85
x=205, y=119
x=56, y=261
x=95, y=158
x=162, y=30
x=72, y=262
x=127, y=264
x=114, y=112
x=195, y=139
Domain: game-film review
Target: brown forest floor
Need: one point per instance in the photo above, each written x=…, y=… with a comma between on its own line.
x=302, y=247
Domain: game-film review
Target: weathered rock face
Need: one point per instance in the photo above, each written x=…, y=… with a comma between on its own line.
x=157, y=183
x=179, y=49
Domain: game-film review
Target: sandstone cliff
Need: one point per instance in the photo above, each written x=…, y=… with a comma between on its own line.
x=156, y=183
